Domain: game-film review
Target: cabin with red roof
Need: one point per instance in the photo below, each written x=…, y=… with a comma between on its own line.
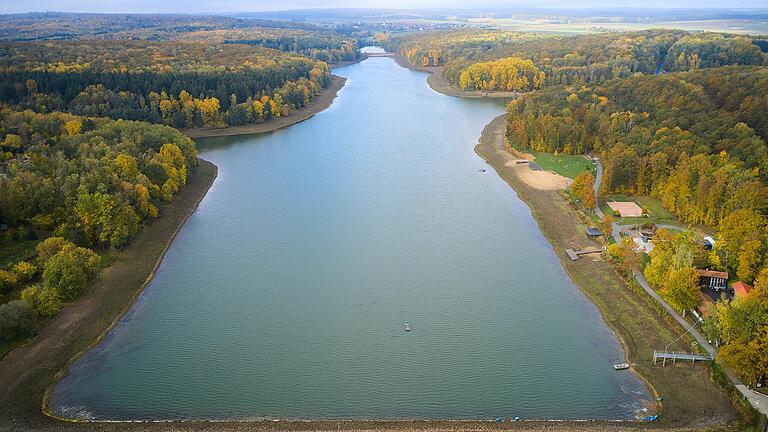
x=741, y=289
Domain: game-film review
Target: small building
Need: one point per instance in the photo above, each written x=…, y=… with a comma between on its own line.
x=626, y=209
x=594, y=232
x=741, y=289
x=643, y=244
x=716, y=280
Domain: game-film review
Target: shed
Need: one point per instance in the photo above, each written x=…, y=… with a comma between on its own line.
x=594, y=232
x=712, y=279
x=741, y=289
x=626, y=209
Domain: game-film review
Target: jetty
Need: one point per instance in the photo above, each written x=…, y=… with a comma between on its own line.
x=674, y=356
x=574, y=254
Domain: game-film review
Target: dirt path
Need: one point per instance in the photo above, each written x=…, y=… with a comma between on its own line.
x=321, y=102
x=29, y=370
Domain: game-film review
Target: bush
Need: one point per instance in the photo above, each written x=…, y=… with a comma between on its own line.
x=7, y=280
x=24, y=271
x=69, y=271
x=17, y=317
x=614, y=252
x=50, y=247
x=46, y=301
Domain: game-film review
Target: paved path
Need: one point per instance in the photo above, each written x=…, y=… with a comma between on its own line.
x=758, y=400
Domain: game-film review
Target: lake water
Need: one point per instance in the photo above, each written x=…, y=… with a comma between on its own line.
x=286, y=294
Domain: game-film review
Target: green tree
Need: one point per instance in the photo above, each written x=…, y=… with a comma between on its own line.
x=69, y=271
x=46, y=301
x=681, y=292
x=50, y=247
x=748, y=357
x=750, y=257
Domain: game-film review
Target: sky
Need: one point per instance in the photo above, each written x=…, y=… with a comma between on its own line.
x=223, y=6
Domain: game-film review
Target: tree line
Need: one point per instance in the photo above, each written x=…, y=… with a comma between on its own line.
x=582, y=59
x=695, y=140
x=184, y=84
x=299, y=38
x=88, y=182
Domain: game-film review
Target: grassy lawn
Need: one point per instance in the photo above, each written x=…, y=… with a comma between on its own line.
x=656, y=212
x=14, y=251
x=566, y=165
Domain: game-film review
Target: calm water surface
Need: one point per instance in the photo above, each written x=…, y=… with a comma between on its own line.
x=286, y=293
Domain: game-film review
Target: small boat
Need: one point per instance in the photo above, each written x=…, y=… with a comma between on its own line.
x=482, y=169
x=407, y=326
x=621, y=366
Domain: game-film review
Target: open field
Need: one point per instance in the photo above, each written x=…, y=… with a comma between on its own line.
x=690, y=396
x=565, y=165
x=755, y=27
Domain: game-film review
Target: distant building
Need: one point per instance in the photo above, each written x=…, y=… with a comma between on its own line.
x=626, y=209
x=741, y=289
x=716, y=280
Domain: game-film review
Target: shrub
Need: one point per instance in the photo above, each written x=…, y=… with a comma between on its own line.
x=69, y=271
x=46, y=301
x=24, y=271
x=16, y=317
x=50, y=247
x=7, y=280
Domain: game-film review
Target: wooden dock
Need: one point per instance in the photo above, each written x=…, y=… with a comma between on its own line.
x=674, y=356
x=574, y=255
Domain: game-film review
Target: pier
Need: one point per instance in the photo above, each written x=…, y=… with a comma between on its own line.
x=674, y=356
x=574, y=255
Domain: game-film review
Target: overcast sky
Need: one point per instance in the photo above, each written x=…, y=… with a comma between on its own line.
x=213, y=6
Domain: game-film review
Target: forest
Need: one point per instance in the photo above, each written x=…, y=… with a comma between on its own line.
x=695, y=140
x=182, y=84
x=82, y=184
x=578, y=60
x=304, y=39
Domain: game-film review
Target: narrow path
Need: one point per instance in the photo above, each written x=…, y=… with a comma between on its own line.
x=757, y=400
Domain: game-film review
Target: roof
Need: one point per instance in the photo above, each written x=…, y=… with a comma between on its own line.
x=741, y=289
x=594, y=232
x=712, y=274
x=626, y=209
x=705, y=303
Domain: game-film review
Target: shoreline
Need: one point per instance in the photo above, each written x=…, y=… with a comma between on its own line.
x=438, y=83
x=611, y=295
x=321, y=102
x=21, y=414
x=29, y=372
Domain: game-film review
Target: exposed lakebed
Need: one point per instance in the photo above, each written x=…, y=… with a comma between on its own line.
x=286, y=294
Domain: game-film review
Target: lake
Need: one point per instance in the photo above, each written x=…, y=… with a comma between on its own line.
x=286, y=294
